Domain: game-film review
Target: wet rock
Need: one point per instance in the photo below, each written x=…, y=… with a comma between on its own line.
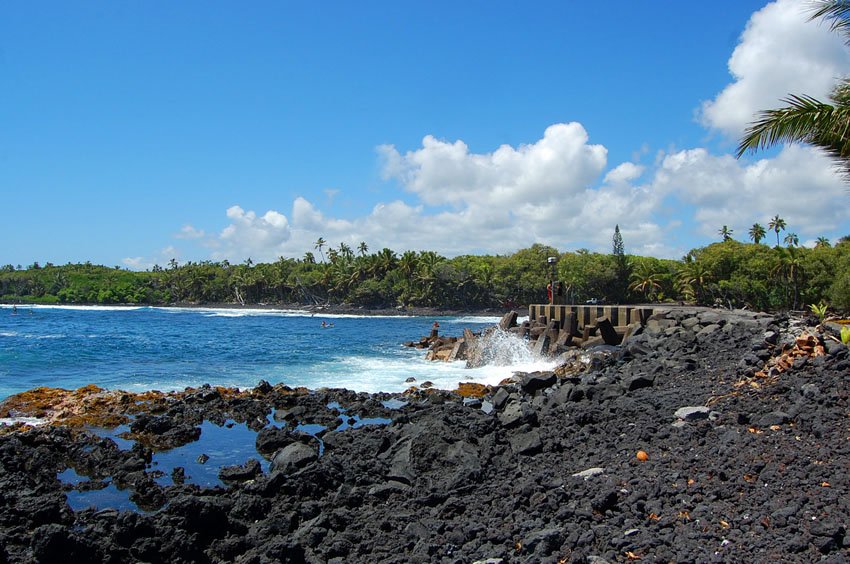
x=293, y=457
x=239, y=473
x=272, y=439
x=263, y=387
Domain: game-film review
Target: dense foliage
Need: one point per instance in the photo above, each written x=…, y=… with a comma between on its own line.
x=729, y=273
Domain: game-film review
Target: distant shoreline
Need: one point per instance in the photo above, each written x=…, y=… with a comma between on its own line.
x=332, y=309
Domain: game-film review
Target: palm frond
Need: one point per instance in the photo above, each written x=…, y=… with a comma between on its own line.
x=804, y=120
x=836, y=12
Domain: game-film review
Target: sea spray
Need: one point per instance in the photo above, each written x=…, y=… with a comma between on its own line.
x=500, y=348
x=169, y=349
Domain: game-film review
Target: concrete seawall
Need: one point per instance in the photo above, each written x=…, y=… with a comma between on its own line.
x=618, y=315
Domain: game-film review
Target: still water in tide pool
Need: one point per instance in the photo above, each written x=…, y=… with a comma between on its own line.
x=144, y=348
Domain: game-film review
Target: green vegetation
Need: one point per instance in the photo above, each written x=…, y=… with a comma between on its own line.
x=819, y=310
x=728, y=273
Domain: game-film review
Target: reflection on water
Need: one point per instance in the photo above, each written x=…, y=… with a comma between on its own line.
x=232, y=443
x=98, y=495
x=218, y=446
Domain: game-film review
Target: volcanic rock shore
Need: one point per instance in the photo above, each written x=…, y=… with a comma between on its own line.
x=710, y=437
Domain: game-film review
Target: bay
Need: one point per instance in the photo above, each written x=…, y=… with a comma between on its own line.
x=146, y=348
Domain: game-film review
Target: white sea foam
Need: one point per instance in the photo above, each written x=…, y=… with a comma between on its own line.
x=505, y=354
x=8, y=334
x=22, y=308
x=31, y=421
x=256, y=312
x=466, y=319
x=501, y=348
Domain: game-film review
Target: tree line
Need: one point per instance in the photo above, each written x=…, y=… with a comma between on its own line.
x=728, y=273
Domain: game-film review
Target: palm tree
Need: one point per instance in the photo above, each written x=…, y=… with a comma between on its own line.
x=346, y=251
x=805, y=119
x=757, y=233
x=789, y=270
x=363, y=248
x=387, y=259
x=822, y=242
x=484, y=276
x=692, y=279
x=408, y=263
x=776, y=224
x=646, y=281
x=309, y=258
x=319, y=244
x=792, y=240
x=726, y=233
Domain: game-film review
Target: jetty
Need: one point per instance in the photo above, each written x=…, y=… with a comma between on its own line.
x=549, y=329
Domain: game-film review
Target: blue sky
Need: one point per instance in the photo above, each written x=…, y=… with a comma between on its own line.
x=133, y=133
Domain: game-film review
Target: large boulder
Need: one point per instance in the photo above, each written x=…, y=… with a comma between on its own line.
x=293, y=457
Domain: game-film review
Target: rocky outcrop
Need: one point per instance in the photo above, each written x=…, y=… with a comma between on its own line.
x=710, y=436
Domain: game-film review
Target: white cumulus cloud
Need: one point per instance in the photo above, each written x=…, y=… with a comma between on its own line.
x=494, y=202
x=261, y=238
x=439, y=172
x=799, y=184
x=780, y=52
x=189, y=232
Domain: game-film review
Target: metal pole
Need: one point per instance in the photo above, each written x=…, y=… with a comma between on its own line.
x=552, y=262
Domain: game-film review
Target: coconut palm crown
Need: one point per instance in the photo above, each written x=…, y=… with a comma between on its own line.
x=757, y=233
x=805, y=119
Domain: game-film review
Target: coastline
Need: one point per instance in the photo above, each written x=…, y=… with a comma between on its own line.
x=331, y=309
x=713, y=436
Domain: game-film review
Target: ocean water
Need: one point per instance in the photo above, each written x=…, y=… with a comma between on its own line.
x=146, y=348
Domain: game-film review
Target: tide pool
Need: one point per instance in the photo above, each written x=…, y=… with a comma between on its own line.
x=145, y=348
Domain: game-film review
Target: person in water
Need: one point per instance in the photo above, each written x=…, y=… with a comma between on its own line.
x=14, y=309
x=324, y=324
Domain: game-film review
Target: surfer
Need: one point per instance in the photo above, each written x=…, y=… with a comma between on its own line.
x=324, y=325
x=14, y=309
x=435, y=330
